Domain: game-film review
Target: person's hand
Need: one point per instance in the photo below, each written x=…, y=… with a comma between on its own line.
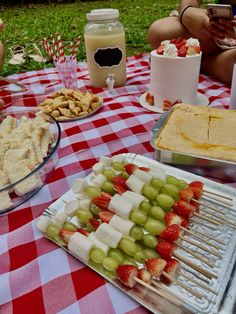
x=1, y=25
x=198, y=23
x=226, y=27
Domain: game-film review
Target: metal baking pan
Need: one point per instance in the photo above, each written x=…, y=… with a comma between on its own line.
x=204, y=166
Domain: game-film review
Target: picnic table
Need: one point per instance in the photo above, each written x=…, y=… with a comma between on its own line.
x=36, y=276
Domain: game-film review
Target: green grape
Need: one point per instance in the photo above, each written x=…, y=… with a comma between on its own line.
x=129, y=261
x=150, y=241
x=165, y=200
x=98, y=267
x=149, y=192
x=59, y=240
x=183, y=185
x=171, y=190
x=117, y=255
x=154, y=227
x=128, y=246
x=89, y=227
x=92, y=191
x=172, y=180
x=157, y=213
x=84, y=215
x=94, y=209
x=53, y=231
x=139, y=247
x=109, y=174
x=157, y=183
x=145, y=206
x=118, y=166
x=108, y=187
x=124, y=174
x=139, y=257
x=69, y=226
x=138, y=217
x=136, y=233
x=109, y=274
x=150, y=253
x=97, y=255
x=110, y=263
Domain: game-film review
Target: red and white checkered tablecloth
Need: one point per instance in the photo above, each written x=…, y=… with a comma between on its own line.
x=35, y=275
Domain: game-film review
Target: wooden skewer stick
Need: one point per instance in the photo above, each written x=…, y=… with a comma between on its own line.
x=160, y=293
x=201, y=246
x=214, y=222
x=192, y=272
x=211, y=264
x=204, y=272
x=197, y=282
x=218, y=217
x=200, y=238
x=179, y=283
x=206, y=205
x=164, y=288
x=208, y=236
x=223, y=203
x=217, y=194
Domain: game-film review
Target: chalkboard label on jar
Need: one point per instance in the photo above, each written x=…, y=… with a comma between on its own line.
x=108, y=57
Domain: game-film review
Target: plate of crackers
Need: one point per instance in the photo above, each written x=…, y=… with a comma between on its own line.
x=68, y=104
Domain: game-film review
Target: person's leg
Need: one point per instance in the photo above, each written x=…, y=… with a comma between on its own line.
x=220, y=65
x=1, y=45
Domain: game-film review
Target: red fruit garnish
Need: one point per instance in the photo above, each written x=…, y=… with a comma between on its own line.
x=119, y=189
x=106, y=195
x=149, y=98
x=82, y=231
x=175, y=208
x=173, y=41
x=197, y=184
x=105, y=216
x=155, y=266
x=180, y=42
x=166, y=250
x=172, y=219
x=197, y=192
x=101, y=201
x=130, y=168
x=146, y=169
x=193, y=50
x=126, y=274
x=119, y=180
x=145, y=275
x=171, y=233
x=182, y=51
x=66, y=234
x=185, y=209
x=172, y=267
x=184, y=222
x=95, y=223
x=186, y=195
x=166, y=105
x=194, y=203
x=160, y=50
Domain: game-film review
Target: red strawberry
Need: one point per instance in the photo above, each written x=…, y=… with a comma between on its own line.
x=175, y=208
x=130, y=168
x=120, y=181
x=186, y=195
x=119, y=189
x=160, y=50
x=95, y=223
x=184, y=222
x=172, y=219
x=101, y=201
x=197, y=184
x=173, y=41
x=106, y=195
x=194, y=203
x=182, y=51
x=197, y=192
x=171, y=233
x=146, y=169
x=180, y=42
x=127, y=274
x=82, y=231
x=171, y=268
x=192, y=50
x=155, y=266
x=105, y=216
x=166, y=105
x=149, y=99
x=145, y=275
x=185, y=209
x=165, y=249
x=66, y=234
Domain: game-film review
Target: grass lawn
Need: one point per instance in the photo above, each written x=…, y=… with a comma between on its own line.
x=28, y=24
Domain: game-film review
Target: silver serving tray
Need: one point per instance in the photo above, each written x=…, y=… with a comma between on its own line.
x=204, y=166
x=224, y=285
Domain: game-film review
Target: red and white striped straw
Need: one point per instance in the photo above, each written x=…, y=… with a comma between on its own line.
x=48, y=49
x=55, y=47
x=62, y=57
x=76, y=47
x=71, y=51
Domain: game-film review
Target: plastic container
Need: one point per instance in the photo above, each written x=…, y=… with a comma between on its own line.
x=104, y=37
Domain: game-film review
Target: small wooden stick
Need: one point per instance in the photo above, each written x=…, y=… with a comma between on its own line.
x=206, y=205
x=204, y=272
x=197, y=282
x=206, y=280
x=196, y=255
x=201, y=246
x=200, y=238
x=208, y=236
x=165, y=289
x=217, y=194
x=218, y=217
x=223, y=203
x=160, y=293
x=214, y=222
x=179, y=283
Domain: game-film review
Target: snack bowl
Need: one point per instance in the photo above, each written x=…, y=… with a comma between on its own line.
x=200, y=165
x=15, y=192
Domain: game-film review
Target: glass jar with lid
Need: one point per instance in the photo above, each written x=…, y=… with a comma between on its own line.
x=104, y=37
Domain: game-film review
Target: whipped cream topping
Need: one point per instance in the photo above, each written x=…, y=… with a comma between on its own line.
x=192, y=42
x=170, y=50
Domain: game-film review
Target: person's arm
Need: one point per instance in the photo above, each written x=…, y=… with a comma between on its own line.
x=188, y=3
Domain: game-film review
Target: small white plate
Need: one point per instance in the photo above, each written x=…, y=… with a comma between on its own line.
x=201, y=100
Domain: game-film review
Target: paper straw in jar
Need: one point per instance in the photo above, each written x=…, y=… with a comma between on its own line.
x=62, y=57
x=55, y=47
x=48, y=49
x=76, y=47
x=71, y=51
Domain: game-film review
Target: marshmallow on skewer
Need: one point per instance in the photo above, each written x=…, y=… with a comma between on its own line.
x=120, y=206
x=144, y=176
x=106, y=161
x=59, y=219
x=108, y=235
x=99, y=180
x=98, y=168
x=80, y=245
x=43, y=222
x=122, y=225
x=135, y=184
x=134, y=198
x=105, y=248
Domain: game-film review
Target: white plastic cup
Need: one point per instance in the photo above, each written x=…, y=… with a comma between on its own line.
x=68, y=73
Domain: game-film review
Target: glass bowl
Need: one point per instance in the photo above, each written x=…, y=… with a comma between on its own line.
x=27, y=186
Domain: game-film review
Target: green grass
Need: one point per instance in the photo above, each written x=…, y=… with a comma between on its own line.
x=25, y=25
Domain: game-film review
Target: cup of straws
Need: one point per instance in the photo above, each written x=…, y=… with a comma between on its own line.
x=65, y=65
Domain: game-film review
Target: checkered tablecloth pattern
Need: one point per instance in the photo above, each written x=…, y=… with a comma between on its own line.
x=35, y=275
